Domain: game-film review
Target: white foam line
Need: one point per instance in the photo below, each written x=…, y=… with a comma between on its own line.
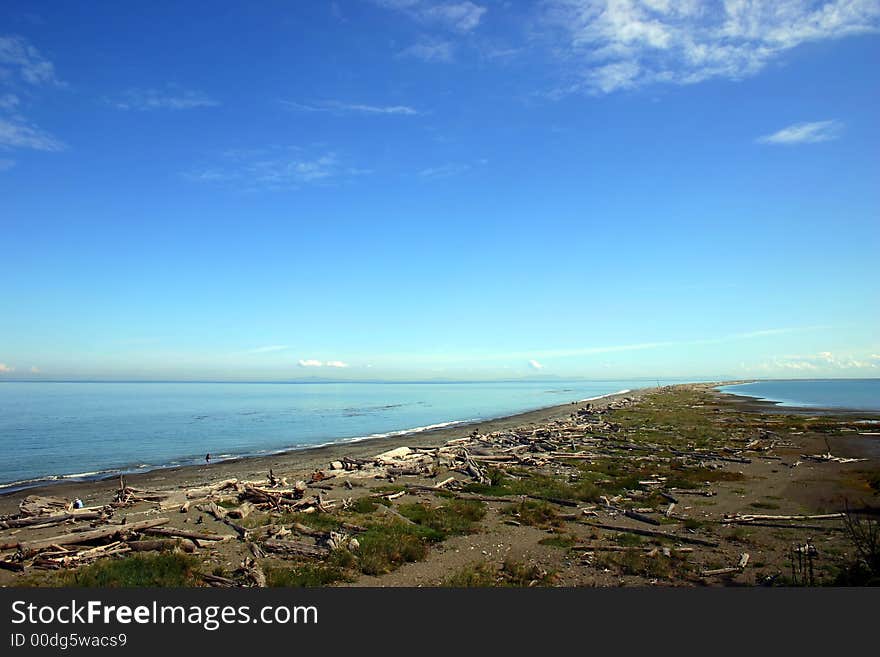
x=610, y=394
x=36, y=481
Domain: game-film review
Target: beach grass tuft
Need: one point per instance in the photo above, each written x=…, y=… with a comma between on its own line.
x=534, y=513
x=511, y=573
x=454, y=518
x=385, y=547
x=306, y=575
x=162, y=570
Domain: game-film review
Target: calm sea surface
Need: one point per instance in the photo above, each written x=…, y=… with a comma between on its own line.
x=53, y=431
x=858, y=394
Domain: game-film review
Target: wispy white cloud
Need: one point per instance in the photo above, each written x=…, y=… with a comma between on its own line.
x=22, y=70
x=444, y=171
x=16, y=133
x=543, y=355
x=430, y=50
x=450, y=19
x=535, y=365
x=456, y=16
x=275, y=169
x=804, y=133
x=21, y=60
x=612, y=45
x=824, y=361
x=336, y=107
x=6, y=369
x=641, y=346
x=9, y=102
x=35, y=370
x=169, y=99
x=451, y=169
x=311, y=362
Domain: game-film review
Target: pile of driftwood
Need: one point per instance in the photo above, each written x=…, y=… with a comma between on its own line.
x=555, y=449
x=128, y=495
x=91, y=533
x=828, y=457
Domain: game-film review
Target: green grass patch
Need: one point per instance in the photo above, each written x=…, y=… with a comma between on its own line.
x=693, y=523
x=306, y=575
x=455, y=517
x=511, y=573
x=385, y=547
x=363, y=505
x=535, y=513
x=320, y=521
x=629, y=540
x=479, y=575
x=638, y=563
x=162, y=570
x=537, y=485
x=515, y=573
x=563, y=541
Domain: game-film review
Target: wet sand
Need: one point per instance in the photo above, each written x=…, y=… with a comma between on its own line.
x=98, y=492
x=306, y=460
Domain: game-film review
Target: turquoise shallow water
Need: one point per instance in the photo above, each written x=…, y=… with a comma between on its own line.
x=858, y=394
x=52, y=431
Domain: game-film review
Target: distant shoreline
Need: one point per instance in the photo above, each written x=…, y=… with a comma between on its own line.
x=260, y=463
x=335, y=448
x=765, y=404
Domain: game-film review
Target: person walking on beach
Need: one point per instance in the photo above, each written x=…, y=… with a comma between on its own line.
x=208, y=457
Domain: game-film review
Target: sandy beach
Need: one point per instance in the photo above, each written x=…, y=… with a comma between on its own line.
x=678, y=486
x=300, y=460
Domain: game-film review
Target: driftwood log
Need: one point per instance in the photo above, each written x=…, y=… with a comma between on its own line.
x=653, y=534
x=185, y=533
x=162, y=544
x=86, y=537
x=51, y=520
x=299, y=548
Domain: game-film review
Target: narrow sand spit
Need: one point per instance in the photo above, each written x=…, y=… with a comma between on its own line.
x=679, y=486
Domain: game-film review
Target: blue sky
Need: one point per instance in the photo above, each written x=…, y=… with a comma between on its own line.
x=418, y=189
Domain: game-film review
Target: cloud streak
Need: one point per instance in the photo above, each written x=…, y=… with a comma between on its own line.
x=21, y=60
x=614, y=45
x=430, y=50
x=275, y=169
x=6, y=369
x=311, y=362
x=9, y=102
x=23, y=69
x=548, y=354
x=336, y=107
x=823, y=361
x=16, y=133
x=804, y=133
x=444, y=170
x=154, y=99
x=459, y=17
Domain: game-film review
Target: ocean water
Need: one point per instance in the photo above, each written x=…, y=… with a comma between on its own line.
x=856, y=394
x=57, y=431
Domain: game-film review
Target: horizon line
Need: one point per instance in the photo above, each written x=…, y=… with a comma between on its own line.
x=679, y=379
